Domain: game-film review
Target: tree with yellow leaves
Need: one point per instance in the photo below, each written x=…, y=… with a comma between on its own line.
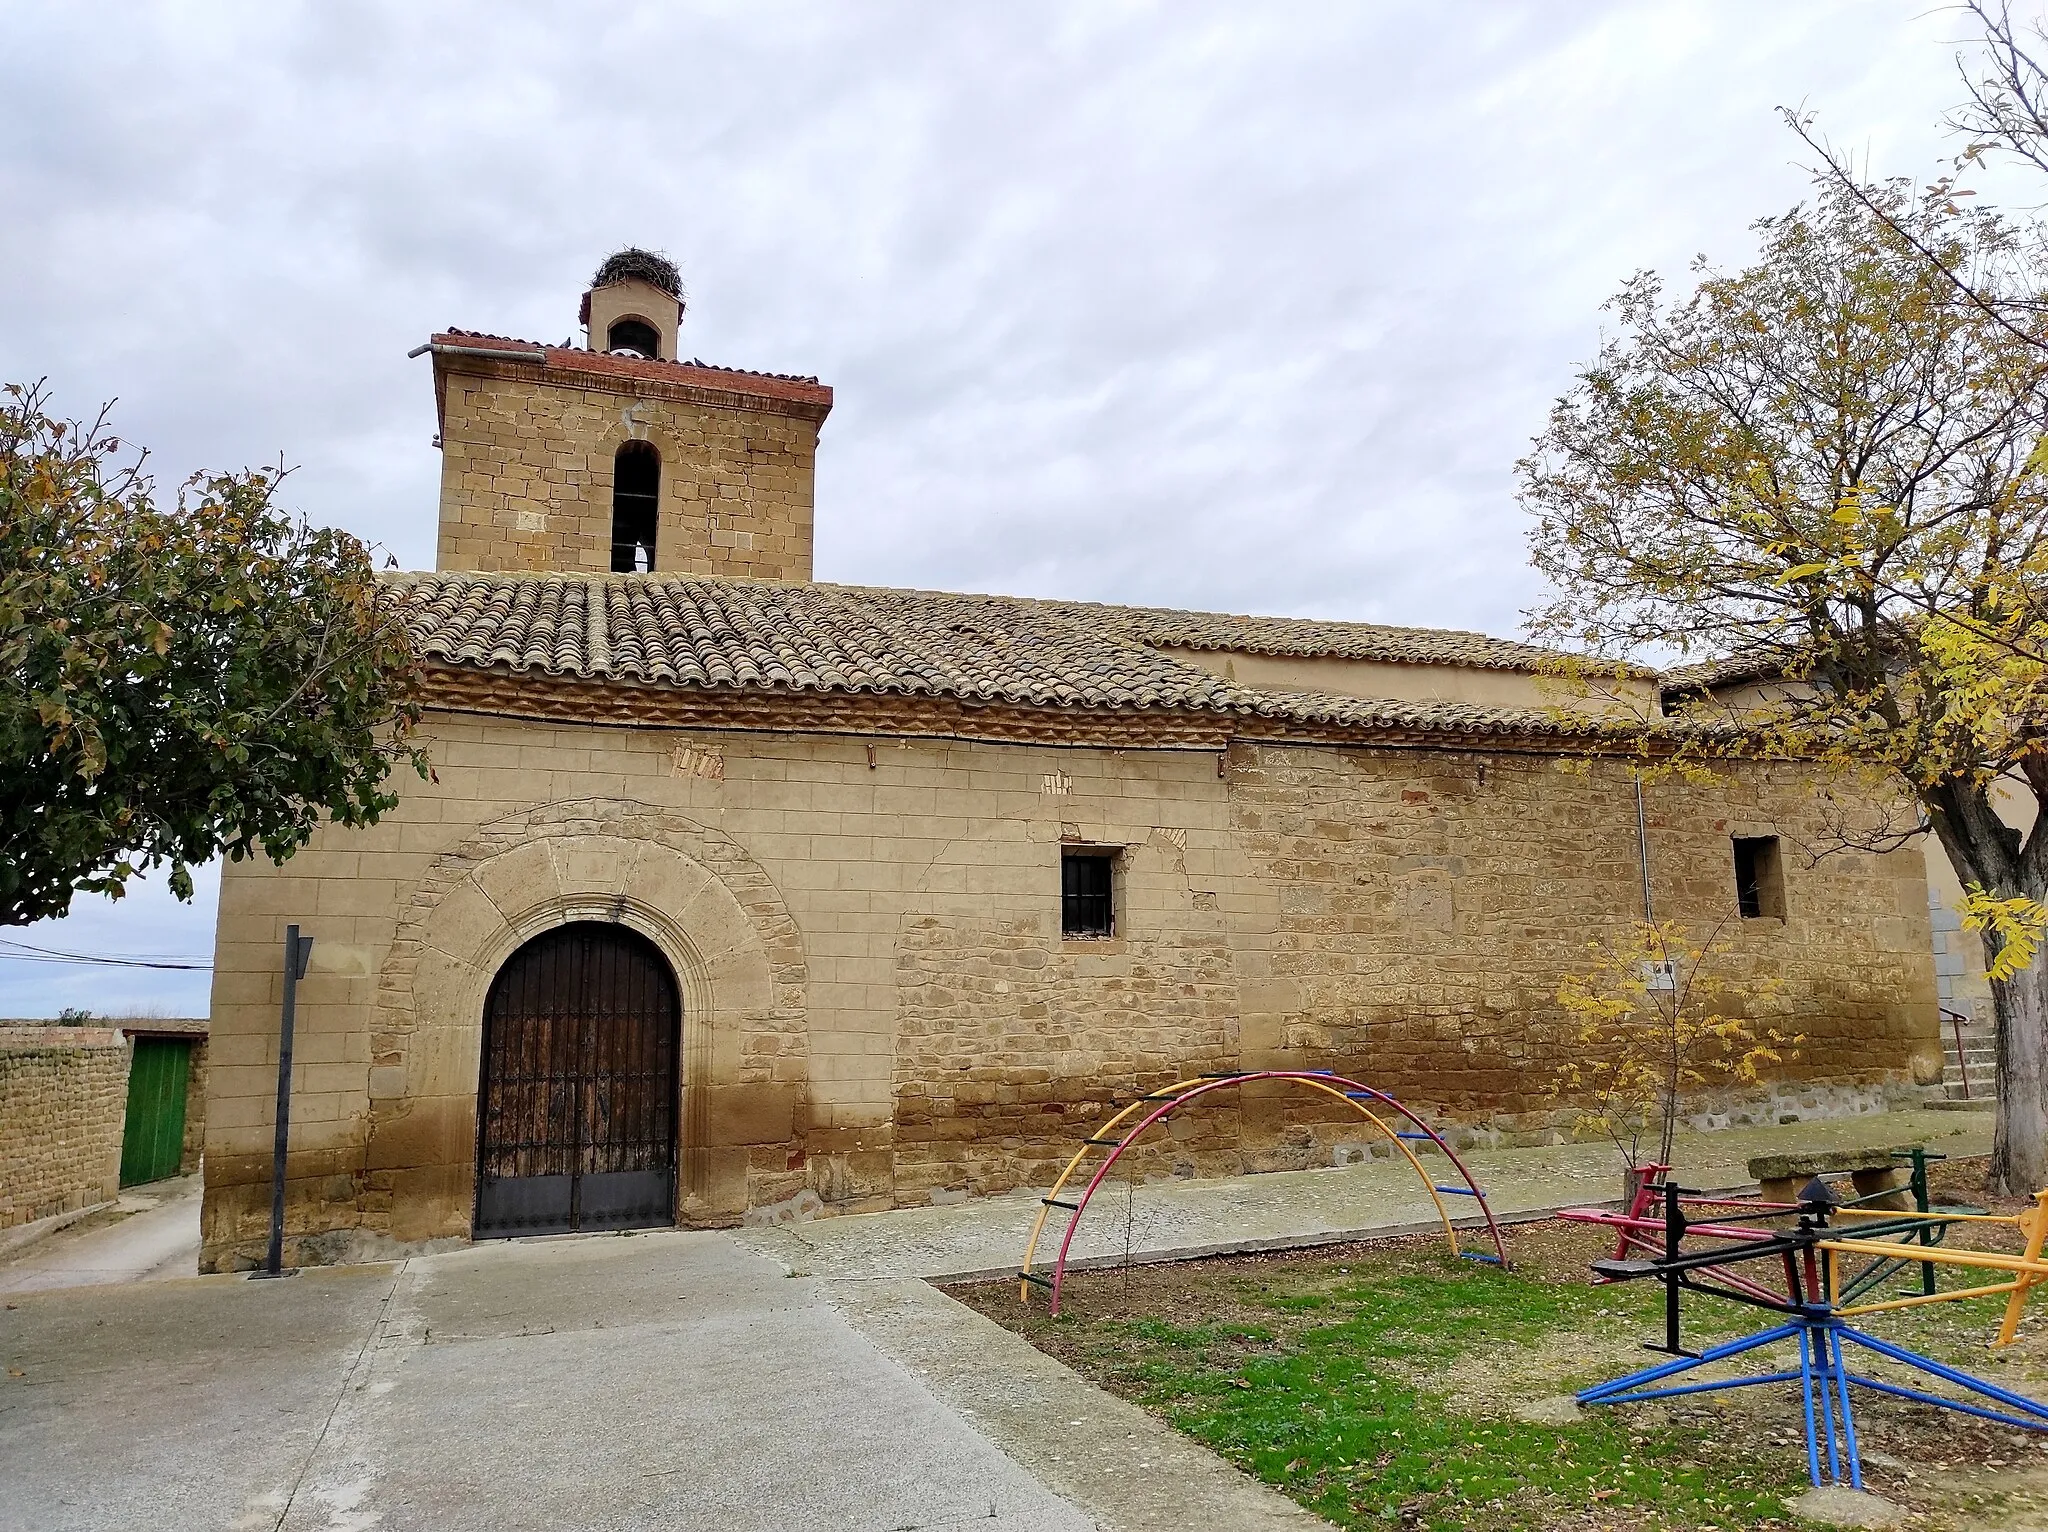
x=1830, y=467
x=1657, y=1020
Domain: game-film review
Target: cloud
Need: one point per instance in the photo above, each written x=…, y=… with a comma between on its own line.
x=1198, y=304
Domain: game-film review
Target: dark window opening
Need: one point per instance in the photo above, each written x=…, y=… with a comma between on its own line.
x=634, y=335
x=636, y=507
x=1759, y=878
x=1088, y=893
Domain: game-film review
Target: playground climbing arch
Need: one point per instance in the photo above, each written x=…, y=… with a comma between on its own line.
x=1408, y=1133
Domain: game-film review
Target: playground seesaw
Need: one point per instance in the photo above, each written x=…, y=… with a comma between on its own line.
x=1798, y=1260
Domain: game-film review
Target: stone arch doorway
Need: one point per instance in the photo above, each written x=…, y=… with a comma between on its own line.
x=576, y=1107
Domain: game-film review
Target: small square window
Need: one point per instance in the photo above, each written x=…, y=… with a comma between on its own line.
x=1087, y=893
x=1759, y=878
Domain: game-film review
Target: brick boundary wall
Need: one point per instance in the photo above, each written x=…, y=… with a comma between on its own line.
x=63, y=1100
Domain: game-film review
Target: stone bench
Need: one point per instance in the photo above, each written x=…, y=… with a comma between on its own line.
x=1871, y=1172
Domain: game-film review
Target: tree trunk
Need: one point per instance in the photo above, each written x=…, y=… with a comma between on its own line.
x=2019, y=1144
x=1985, y=850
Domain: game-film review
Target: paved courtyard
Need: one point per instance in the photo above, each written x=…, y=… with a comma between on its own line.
x=788, y=1378
x=670, y=1380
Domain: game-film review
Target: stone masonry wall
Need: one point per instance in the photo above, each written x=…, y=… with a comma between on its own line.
x=526, y=480
x=1432, y=903
x=1005, y=1031
x=1402, y=917
x=195, y=1111
x=880, y=1009
x=63, y=1097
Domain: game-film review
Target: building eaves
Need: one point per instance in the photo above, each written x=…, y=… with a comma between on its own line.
x=764, y=637
x=788, y=387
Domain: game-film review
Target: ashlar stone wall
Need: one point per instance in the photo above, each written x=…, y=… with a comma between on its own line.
x=880, y=1007
x=194, y=1144
x=63, y=1098
x=527, y=468
x=1430, y=905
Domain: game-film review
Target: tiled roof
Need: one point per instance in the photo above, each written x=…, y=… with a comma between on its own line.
x=1729, y=670
x=761, y=635
x=775, y=385
x=1307, y=637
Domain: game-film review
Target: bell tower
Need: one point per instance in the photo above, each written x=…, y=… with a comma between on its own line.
x=615, y=457
x=635, y=305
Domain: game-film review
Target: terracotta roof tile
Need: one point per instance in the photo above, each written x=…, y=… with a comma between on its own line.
x=765, y=635
x=1729, y=670
x=777, y=385
x=1312, y=638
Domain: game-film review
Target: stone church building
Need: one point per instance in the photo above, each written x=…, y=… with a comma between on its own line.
x=737, y=892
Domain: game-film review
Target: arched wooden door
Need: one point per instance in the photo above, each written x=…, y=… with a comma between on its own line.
x=576, y=1114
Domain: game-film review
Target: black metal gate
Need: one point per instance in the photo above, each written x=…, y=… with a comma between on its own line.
x=576, y=1116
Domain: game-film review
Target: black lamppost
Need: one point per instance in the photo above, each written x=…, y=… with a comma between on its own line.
x=298, y=952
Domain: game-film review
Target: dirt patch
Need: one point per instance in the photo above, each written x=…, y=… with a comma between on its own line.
x=1381, y=1383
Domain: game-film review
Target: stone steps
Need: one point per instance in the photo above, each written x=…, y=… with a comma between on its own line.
x=1979, y=1052
x=1981, y=1081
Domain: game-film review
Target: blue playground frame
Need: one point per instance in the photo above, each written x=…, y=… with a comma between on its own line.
x=1809, y=1317
x=1824, y=1378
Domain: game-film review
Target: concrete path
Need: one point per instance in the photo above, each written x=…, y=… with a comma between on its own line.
x=662, y=1381
x=776, y=1379
x=1126, y=1469
x=150, y=1234
x=1176, y=1219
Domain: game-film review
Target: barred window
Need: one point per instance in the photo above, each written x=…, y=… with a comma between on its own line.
x=1088, y=893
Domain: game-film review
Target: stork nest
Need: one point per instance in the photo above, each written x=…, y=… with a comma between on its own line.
x=644, y=264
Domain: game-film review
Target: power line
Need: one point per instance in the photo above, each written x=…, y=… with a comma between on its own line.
x=25, y=952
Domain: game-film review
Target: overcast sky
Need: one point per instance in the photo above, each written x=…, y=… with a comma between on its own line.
x=1245, y=307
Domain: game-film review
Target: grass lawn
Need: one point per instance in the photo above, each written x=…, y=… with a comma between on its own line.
x=1391, y=1385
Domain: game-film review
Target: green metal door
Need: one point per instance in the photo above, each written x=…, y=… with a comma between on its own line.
x=154, y=1137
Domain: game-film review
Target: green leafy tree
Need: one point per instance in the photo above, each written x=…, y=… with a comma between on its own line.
x=182, y=681
x=1829, y=466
